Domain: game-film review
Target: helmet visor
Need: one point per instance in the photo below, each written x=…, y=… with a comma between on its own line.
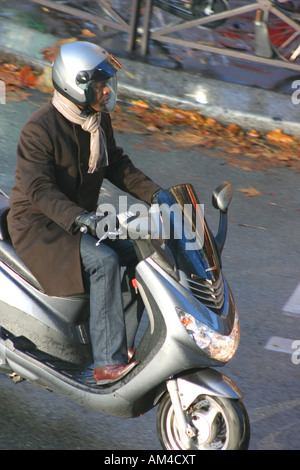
x=105, y=72
x=110, y=98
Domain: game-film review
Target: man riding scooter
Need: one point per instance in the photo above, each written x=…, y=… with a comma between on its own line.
x=65, y=150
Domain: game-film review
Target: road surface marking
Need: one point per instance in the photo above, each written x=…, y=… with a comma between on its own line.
x=278, y=344
x=293, y=303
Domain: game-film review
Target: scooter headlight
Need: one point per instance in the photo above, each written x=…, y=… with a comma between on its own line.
x=219, y=347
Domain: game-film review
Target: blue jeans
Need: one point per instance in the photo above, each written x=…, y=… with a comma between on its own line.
x=115, y=308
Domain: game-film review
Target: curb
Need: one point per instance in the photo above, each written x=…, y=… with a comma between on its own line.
x=141, y=86
x=21, y=59
x=225, y=116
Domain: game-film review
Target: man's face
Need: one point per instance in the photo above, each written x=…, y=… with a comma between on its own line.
x=101, y=93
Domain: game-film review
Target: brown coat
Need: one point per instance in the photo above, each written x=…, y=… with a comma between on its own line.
x=52, y=187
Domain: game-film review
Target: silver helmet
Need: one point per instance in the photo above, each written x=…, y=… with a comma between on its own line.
x=78, y=66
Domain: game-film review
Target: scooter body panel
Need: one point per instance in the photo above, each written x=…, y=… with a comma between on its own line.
x=57, y=312
x=40, y=337
x=165, y=350
x=58, y=326
x=205, y=382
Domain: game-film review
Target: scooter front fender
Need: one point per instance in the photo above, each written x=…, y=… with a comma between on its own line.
x=205, y=382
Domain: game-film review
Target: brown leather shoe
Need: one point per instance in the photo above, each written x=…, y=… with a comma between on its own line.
x=110, y=374
x=131, y=353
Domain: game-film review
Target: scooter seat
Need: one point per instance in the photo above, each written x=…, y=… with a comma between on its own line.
x=10, y=258
x=8, y=254
x=4, y=208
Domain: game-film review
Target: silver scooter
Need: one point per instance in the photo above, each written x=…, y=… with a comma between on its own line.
x=192, y=326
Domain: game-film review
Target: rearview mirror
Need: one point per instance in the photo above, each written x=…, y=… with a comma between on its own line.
x=222, y=196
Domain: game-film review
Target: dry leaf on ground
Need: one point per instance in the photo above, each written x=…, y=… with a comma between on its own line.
x=49, y=53
x=250, y=192
x=87, y=33
x=175, y=128
x=279, y=136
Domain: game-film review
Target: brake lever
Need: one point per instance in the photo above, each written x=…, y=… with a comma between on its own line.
x=106, y=235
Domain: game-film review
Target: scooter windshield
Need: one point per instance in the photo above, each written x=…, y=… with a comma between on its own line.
x=185, y=232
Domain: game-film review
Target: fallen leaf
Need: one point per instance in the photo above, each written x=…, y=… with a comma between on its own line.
x=87, y=33
x=250, y=192
x=279, y=136
x=211, y=122
x=140, y=103
x=11, y=67
x=49, y=53
x=152, y=128
x=254, y=133
x=252, y=226
x=233, y=129
x=27, y=76
x=234, y=150
x=44, y=81
x=130, y=75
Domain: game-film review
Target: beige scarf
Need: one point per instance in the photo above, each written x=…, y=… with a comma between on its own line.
x=91, y=124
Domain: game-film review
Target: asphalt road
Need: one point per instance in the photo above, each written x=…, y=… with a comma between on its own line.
x=261, y=263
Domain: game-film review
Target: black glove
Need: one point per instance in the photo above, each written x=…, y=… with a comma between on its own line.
x=155, y=196
x=87, y=222
x=107, y=226
x=96, y=225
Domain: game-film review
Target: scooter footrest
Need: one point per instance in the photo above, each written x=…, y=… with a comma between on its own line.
x=20, y=343
x=82, y=374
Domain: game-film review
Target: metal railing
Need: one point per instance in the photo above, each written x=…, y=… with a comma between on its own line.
x=139, y=25
x=116, y=21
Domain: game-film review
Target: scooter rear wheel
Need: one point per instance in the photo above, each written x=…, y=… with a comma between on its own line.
x=219, y=424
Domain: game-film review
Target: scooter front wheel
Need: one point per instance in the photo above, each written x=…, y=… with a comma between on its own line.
x=218, y=424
